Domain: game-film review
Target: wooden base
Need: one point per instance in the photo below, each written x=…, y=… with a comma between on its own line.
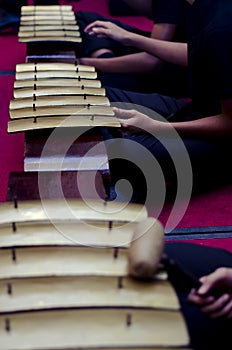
x=52, y=52
x=64, y=150
x=93, y=329
x=25, y=186
x=67, y=57
x=30, y=292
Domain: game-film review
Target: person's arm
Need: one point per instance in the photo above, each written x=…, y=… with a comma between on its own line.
x=141, y=62
x=134, y=63
x=172, y=52
x=165, y=50
x=219, y=306
x=210, y=127
x=214, y=126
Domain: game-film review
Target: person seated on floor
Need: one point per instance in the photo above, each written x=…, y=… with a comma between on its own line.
x=166, y=127
x=207, y=309
x=129, y=67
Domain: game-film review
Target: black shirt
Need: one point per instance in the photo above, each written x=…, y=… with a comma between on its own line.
x=173, y=12
x=210, y=53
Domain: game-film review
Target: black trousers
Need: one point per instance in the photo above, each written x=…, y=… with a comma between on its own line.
x=205, y=333
x=171, y=79
x=208, y=158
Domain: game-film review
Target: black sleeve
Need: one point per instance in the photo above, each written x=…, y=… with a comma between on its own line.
x=216, y=62
x=168, y=11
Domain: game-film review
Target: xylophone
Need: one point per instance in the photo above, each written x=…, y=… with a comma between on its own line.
x=65, y=277
x=41, y=99
x=59, y=95
x=65, y=280
x=48, y=23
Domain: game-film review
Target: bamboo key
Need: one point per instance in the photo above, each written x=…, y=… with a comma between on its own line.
x=64, y=16
x=48, y=23
x=70, y=209
x=45, y=12
x=48, y=101
x=57, y=90
x=57, y=82
x=36, y=123
x=100, y=233
x=55, y=33
x=60, y=261
x=52, y=111
x=43, y=66
x=41, y=27
x=51, y=38
x=56, y=74
x=31, y=8
x=26, y=294
x=104, y=328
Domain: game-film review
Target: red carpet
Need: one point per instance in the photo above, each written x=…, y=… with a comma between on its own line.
x=206, y=210
x=212, y=208
x=12, y=52
x=11, y=145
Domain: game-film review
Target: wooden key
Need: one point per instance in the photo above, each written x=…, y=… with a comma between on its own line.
x=51, y=38
x=61, y=17
x=92, y=233
x=66, y=100
x=58, y=90
x=69, y=82
x=50, y=67
x=54, y=33
x=70, y=209
x=47, y=22
x=45, y=13
x=70, y=111
x=35, y=293
x=37, y=123
x=29, y=8
x=92, y=328
x=62, y=261
x=36, y=28
x=56, y=74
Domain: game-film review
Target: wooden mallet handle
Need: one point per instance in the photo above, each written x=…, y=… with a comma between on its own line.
x=146, y=249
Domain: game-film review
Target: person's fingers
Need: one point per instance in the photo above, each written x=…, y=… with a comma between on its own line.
x=97, y=24
x=93, y=24
x=225, y=312
x=195, y=298
x=123, y=123
x=123, y=113
x=99, y=32
x=89, y=26
x=229, y=316
x=221, y=307
x=207, y=284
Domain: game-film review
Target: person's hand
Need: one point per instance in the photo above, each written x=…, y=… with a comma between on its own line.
x=108, y=29
x=219, y=306
x=133, y=121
